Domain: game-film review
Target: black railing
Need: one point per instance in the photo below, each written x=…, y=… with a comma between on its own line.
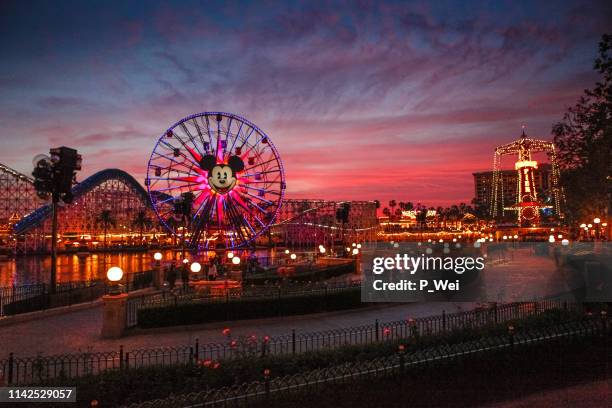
x=30, y=298
x=394, y=365
x=30, y=370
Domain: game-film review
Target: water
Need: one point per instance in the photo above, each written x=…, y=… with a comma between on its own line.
x=72, y=267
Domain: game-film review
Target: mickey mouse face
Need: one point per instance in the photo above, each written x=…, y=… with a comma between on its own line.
x=222, y=177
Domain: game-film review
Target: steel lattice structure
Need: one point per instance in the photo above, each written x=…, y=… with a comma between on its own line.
x=304, y=223
x=527, y=203
x=17, y=195
x=110, y=190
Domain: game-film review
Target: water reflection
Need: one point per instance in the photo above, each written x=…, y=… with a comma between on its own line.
x=72, y=267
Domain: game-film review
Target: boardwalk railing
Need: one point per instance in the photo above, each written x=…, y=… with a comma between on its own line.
x=395, y=365
x=30, y=298
x=31, y=370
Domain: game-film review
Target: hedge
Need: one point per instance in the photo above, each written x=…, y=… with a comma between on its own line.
x=194, y=313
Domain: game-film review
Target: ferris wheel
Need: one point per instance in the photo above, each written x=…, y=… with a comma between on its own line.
x=226, y=175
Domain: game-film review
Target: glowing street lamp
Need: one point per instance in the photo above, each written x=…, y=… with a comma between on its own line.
x=551, y=239
x=355, y=251
x=287, y=251
x=322, y=249
x=196, y=267
x=358, y=246
x=596, y=220
x=230, y=255
x=157, y=256
x=114, y=275
x=293, y=257
x=565, y=242
x=582, y=226
x=185, y=261
x=236, y=260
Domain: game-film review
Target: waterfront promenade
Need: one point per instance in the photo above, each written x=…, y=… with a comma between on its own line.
x=76, y=331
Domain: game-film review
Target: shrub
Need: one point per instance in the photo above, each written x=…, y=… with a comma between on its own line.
x=194, y=313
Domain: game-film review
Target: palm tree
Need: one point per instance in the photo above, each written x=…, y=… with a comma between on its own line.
x=173, y=223
x=386, y=211
x=392, y=204
x=409, y=206
x=106, y=219
x=141, y=221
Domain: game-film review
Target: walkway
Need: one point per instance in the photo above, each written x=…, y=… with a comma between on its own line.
x=80, y=330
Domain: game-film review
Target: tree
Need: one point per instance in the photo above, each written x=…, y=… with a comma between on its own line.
x=386, y=211
x=106, y=220
x=392, y=204
x=141, y=221
x=583, y=140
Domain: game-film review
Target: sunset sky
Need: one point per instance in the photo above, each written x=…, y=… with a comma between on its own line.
x=363, y=99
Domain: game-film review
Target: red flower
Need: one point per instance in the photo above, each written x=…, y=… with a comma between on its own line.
x=216, y=365
x=226, y=331
x=233, y=343
x=206, y=363
x=386, y=331
x=266, y=339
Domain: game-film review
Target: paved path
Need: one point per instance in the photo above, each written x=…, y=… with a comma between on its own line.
x=80, y=330
x=592, y=395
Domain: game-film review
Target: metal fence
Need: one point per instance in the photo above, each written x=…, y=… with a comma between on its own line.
x=394, y=365
x=183, y=296
x=30, y=298
x=28, y=370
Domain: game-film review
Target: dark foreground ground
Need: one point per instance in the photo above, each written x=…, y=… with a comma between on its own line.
x=576, y=375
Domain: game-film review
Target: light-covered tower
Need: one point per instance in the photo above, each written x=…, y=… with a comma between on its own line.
x=527, y=204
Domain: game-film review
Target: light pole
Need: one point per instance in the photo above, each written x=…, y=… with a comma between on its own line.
x=53, y=177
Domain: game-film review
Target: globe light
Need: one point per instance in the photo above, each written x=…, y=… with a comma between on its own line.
x=551, y=239
x=359, y=246
x=354, y=244
x=565, y=242
x=582, y=225
x=490, y=239
x=322, y=249
x=505, y=237
x=114, y=274
x=348, y=249
x=355, y=251
x=185, y=261
x=590, y=225
x=236, y=260
x=560, y=236
x=293, y=256
x=230, y=255
x=604, y=224
x=195, y=267
x=287, y=251
x=596, y=220
x=516, y=237
x=157, y=256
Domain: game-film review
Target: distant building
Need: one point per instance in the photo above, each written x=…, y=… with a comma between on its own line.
x=483, y=181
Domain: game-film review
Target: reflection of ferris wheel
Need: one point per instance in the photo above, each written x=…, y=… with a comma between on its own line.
x=226, y=169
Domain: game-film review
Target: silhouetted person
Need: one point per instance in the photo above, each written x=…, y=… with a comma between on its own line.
x=172, y=275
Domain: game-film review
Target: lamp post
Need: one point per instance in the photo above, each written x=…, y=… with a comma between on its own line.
x=158, y=279
x=597, y=221
x=114, y=310
x=114, y=275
